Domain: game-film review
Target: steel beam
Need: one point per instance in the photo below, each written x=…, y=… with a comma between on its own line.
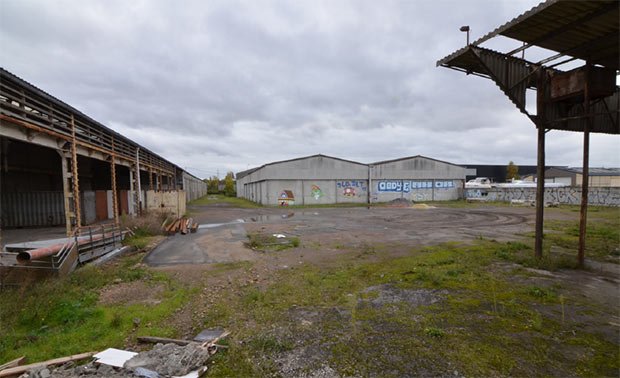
x=66, y=191
x=75, y=182
x=540, y=168
x=583, y=213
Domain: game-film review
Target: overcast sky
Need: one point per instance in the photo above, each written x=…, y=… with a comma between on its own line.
x=225, y=85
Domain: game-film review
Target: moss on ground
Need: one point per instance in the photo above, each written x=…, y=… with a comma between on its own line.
x=485, y=325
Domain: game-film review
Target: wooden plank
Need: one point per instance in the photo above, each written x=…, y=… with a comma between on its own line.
x=13, y=363
x=164, y=340
x=57, y=361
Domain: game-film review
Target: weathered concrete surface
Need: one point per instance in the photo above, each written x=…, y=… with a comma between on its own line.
x=346, y=226
x=170, y=359
x=210, y=245
x=172, y=202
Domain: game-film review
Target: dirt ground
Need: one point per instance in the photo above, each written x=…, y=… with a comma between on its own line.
x=328, y=234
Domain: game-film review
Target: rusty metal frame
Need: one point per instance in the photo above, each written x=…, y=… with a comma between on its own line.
x=589, y=117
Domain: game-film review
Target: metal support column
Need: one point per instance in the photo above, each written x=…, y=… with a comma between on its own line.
x=132, y=191
x=74, y=176
x=138, y=182
x=540, y=168
x=151, y=179
x=583, y=215
x=67, y=195
x=113, y=179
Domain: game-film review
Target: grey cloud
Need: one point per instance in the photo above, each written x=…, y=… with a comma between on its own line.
x=227, y=84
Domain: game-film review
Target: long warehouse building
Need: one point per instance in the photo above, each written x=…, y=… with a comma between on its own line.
x=320, y=179
x=60, y=167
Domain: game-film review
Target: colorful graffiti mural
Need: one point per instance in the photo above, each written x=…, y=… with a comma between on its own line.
x=570, y=195
x=286, y=198
x=316, y=192
x=405, y=186
x=349, y=191
x=352, y=188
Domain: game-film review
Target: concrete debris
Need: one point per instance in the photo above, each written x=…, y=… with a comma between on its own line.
x=208, y=335
x=164, y=360
x=170, y=359
x=388, y=294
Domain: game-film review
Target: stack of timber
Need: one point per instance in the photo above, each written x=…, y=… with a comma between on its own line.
x=182, y=225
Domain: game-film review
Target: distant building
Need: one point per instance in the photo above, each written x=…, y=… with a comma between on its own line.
x=497, y=173
x=321, y=179
x=599, y=177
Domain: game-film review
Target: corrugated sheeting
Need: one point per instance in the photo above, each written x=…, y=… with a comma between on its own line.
x=194, y=187
x=566, y=116
x=512, y=74
x=27, y=209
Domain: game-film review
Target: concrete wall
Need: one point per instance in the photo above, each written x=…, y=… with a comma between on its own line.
x=311, y=168
x=417, y=179
x=566, y=195
x=416, y=168
x=417, y=190
x=193, y=187
x=172, y=202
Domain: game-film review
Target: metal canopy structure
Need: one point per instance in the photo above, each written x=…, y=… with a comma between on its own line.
x=30, y=114
x=585, y=99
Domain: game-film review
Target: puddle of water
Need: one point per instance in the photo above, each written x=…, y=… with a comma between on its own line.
x=275, y=217
x=215, y=225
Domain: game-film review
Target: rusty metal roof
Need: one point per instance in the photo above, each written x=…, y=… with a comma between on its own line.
x=578, y=29
x=569, y=30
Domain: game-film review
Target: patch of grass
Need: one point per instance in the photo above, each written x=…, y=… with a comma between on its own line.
x=212, y=199
x=60, y=317
x=602, y=234
x=268, y=242
x=486, y=324
x=433, y=332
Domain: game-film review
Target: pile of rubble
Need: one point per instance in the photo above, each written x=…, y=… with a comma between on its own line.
x=171, y=358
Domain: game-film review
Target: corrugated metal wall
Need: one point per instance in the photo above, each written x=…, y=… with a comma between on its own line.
x=25, y=209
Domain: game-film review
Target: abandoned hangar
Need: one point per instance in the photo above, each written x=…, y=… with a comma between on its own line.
x=320, y=179
x=60, y=167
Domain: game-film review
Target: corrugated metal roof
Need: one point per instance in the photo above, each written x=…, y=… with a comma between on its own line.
x=580, y=29
x=252, y=170
x=415, y=157
x=576, y=29
x=594, y=171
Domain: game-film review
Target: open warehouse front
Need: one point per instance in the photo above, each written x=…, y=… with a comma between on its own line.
x=31, y=187
x=320, y=179
x=59, y=167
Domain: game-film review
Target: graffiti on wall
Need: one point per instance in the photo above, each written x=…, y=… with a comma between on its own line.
x=404, y=186
x=351, y=188
x=316, y=192
x=567, y=195
x=286, y=198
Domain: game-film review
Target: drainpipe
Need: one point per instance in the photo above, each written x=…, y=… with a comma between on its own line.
x=369, y=184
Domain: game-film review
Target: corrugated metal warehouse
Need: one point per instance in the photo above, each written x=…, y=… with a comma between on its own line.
x=417, y=178
x=321, y=179
x=316, y=179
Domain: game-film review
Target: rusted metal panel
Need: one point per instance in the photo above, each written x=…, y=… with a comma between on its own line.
x=123, y=201
x=571, y=84
x=28, y=209
x=101, y=205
